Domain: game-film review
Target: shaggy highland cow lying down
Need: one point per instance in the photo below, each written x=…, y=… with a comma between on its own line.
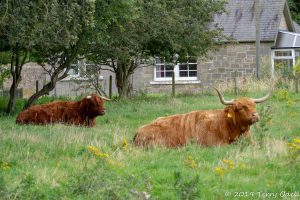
x=206, y=127
x=83, y=112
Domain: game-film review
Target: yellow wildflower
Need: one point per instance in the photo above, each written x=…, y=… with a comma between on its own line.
x=124, y=143
x=230, y=164
x=190, y=162
x=296, y=140
x=96, y=151
x=5, y=166
x=220, y=171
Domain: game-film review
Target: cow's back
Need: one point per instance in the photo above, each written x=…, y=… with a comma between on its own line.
x=42, y=114
x=177, y=130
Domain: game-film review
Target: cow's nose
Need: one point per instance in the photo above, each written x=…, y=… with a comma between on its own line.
x=255, y=114
x=102, y=112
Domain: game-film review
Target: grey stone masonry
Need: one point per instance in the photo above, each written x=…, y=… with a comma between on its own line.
x=240, y=58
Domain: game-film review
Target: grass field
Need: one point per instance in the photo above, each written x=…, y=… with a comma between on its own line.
x=67, y=162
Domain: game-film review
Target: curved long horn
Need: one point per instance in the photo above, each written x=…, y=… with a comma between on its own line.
x=262, y=99
x=104, y=98
x=223, y=101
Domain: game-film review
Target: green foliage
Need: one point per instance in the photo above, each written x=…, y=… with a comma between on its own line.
x=295, y=10
x=4, y=74
x=187, y=188
x=5, y=57
x=263, y=126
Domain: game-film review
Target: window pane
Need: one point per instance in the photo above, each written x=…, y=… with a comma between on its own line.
x=158, y=74
x=192, y=66
x=183, y=73
x=160, y=68
x=74, y=70
x=183, y=67
x=192, y=73
x=283, y=53
x=169, y=74
x=285, y=66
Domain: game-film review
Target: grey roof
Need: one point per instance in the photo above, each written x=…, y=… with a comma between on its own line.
x=287, y=39
x=297, y=27
x=239, y=21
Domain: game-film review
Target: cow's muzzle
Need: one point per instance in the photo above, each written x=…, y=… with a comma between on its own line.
x=254, y=118
x=102, y=112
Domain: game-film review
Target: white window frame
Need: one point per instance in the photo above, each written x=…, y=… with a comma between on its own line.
x=292, y=57
x=176, y=71
x=74, y=75
x=188, y=70
x=79, y=76
x=161, y=78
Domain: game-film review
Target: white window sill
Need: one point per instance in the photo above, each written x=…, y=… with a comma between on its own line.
x=178, y=82
x=77, y=78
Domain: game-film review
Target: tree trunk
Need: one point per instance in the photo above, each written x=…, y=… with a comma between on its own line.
x=45, y=90
x=15, y=70
x=12, y=98
x=48, y=87
x=123, y=82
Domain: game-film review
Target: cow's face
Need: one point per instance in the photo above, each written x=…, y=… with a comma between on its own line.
x=93, y=105
x=245, y=111
x=97, y=105
x=242, y=110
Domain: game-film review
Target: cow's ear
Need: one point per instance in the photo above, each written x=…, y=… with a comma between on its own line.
x=231, y=113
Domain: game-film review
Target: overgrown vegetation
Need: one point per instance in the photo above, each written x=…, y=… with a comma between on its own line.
x=58, y=161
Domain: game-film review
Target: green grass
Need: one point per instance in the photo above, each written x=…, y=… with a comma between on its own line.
x=53, y=162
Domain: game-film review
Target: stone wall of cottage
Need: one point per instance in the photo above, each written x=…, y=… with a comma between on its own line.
x=221, y=67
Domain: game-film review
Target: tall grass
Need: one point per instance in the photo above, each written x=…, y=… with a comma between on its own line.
x=56, y=161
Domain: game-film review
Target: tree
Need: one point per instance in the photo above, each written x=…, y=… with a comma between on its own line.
x=16, y=19
x=153, y=28
x=62, y=28
x=295, y=10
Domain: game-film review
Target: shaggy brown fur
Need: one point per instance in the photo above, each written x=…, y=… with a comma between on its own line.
x=83, y=112
x=207, y=127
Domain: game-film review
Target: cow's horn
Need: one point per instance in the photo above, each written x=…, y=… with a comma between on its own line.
x=106, y=99
x=88, y=97
x=260, y=100
x=223, y=101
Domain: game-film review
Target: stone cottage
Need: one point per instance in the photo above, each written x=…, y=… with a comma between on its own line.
x=279, y=43
x=235, y=57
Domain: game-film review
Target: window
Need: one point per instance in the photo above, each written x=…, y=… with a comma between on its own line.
x=188, y=69
x=164, y=71
x=183, y=71
x=284, y=61
x=74, y=71
x=83, y=70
